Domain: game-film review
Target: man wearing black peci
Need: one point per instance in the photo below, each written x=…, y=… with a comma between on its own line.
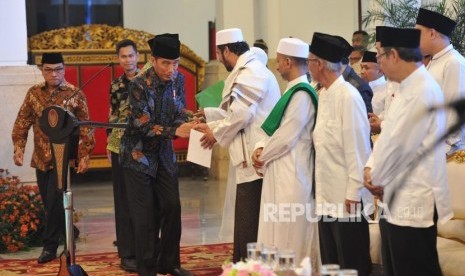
x=156, y=99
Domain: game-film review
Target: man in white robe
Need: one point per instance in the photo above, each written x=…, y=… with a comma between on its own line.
x=406, y=170
x=342, y=146
x=285, y=158
x=249, y=94
x=447, y=67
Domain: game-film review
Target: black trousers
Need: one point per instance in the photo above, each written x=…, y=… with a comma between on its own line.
x=247, y=216
x=346, y=244
x=123, y=222
x=156, y=216
x=409, y=250
x=52, y=199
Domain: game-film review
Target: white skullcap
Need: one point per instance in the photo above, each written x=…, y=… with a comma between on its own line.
x=226, y=36
x=293, y=47
x=260, y=54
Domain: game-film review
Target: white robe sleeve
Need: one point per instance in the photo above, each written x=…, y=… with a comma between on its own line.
x=453, y=87
x=399, y=141
x=298, y=114
x=238, y=117
x=356, y=141
x=214, y=114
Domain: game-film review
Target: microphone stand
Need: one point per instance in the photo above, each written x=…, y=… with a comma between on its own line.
x=88, y=81
x=62, y=129
x=408, y=170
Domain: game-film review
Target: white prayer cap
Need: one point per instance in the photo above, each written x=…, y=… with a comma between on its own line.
x=294, y=47
x=226, y=36
x=260, y=54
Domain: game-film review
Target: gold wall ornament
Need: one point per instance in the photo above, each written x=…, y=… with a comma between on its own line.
x=95, y=44
x=94, y=36
x=457, y=157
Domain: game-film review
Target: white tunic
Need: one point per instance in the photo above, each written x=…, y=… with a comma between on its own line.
x=287, y=180
x=408, y=130
x=249, y=78
x=391, y=88
x=379, y=87
x=342, y=146
x=448, y=68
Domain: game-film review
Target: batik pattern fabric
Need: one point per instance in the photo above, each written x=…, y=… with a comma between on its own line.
x=37, y=99
x=119, y=111
x=156, y=110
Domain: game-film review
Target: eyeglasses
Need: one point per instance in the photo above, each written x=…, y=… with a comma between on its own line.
x=57, y=70
x=312, y=59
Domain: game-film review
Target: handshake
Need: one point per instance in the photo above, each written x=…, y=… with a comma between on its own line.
x=196, y=121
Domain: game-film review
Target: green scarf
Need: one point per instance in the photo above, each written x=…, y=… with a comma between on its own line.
x=273, y=120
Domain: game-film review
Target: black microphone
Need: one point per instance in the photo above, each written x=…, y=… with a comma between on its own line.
x=458, y=105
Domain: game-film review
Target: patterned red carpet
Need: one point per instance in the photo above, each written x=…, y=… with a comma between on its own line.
x=203, y=260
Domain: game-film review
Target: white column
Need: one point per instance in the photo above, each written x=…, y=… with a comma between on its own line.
x=271, y=24
x=13, y=30
x=15, y=79
x=237, y=14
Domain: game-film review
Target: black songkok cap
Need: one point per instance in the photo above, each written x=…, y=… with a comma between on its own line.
x=150, y=42
x=260, y=43
x=52, y=58
x=369, y=57
x=165, y=46
x=379, y=32
x=436, y=21
x=348, y=48
x=327, y=47
x=397, y=37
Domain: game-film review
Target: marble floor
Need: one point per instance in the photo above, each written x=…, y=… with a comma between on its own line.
x=202, y=206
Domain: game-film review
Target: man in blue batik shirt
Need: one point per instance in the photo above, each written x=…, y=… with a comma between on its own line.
x=156, y=99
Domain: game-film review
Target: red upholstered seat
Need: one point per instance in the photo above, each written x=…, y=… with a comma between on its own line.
x=97, y=93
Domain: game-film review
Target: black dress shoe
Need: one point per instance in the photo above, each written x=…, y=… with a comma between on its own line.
x=128, y=265
x=76, y=233
x=178, y=272
x=46, y=257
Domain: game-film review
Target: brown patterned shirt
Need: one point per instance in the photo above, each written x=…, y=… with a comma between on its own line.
x=37, y=99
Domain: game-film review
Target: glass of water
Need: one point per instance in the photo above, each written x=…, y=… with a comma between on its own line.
x=330, y=270
x=286, y=260
x=270, y=255
x=254, y=251
x=348, y=272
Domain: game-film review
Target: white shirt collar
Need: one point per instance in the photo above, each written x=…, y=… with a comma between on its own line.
x=442, y=52
x=378, y=81
x=295, y=81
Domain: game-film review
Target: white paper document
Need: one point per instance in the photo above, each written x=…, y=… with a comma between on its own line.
x=196, y=153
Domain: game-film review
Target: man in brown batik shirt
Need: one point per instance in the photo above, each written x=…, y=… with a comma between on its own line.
x=54, y=91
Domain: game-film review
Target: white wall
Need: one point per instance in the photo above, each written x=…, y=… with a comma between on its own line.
x=267, y=19
x=189, y=18
x=301, y=18
x=13, y=28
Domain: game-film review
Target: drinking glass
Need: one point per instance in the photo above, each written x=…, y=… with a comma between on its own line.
x=330, y=270
x=286, y=260
x=254, y=251
x=270, y=255
x=348, y=272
